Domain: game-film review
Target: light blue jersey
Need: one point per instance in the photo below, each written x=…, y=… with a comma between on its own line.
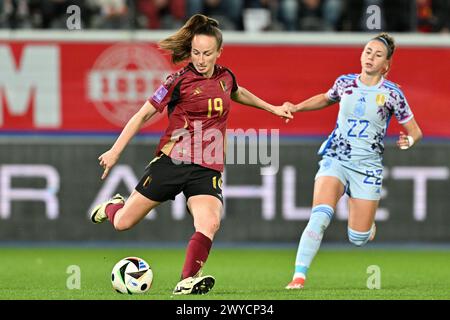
x=353, y=152
x=364, y=115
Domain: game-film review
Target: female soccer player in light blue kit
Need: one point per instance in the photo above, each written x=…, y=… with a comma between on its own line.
x=352, y=154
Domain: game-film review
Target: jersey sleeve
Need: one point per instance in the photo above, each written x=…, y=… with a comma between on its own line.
x=234, y=86
x=163, y=95
x=400, y=106
x=334, y=93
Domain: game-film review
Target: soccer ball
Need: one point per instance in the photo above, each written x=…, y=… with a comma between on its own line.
x=131, y=275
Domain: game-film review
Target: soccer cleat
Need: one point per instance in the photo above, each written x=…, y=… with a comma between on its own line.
x=98, y=214
x=195, y=285
x=296, y=283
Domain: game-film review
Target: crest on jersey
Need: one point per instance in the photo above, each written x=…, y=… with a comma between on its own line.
x=380, y=99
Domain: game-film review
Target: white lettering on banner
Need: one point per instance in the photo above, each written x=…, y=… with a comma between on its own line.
x=179, y=207
x=290, y=211
x=266, y=192
x=48, y=195
x=420, y=175
x=36, y=78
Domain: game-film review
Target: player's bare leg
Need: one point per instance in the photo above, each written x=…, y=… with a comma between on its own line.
x=135, y=209
x=361, y=220
x=124, y=214
x=327, y=190
x=206, y=211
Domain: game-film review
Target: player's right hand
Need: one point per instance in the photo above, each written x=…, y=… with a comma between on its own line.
x=284, y=112
x=290, y=106
x=107, y=161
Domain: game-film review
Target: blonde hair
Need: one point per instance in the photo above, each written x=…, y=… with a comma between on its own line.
x=179, y=44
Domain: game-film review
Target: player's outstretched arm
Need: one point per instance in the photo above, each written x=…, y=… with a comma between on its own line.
x=110, y=157
x=414, y=134
x=243, y=96
x=317, y=102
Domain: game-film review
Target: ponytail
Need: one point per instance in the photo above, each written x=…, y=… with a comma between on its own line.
x=179, y=44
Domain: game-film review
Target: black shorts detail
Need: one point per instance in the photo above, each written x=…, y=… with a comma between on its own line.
x=163, y=180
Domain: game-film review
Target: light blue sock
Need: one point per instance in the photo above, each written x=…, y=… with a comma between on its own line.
x=359, y=238
x=311, y=238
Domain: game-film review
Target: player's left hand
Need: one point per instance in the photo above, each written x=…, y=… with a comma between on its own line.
x=403, y=141
x=284, y=112
x=107, y=160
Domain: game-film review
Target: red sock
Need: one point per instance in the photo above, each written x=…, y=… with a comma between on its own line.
x=196, y=254
x=111, y=210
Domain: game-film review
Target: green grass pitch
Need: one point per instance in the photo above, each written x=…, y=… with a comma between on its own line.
x=241, y=274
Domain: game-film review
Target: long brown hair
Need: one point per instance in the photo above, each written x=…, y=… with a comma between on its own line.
x=179, y=44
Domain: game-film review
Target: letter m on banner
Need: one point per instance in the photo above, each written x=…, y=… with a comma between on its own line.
x=32, y=82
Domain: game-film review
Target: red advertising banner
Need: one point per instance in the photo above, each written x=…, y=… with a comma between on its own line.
x=94, y=87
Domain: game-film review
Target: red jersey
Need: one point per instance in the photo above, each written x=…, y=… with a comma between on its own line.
x=198, y=110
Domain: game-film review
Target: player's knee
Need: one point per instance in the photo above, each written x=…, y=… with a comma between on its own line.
x=122, y=225
x=358, y=238
x=320, y=217
x=213, y=225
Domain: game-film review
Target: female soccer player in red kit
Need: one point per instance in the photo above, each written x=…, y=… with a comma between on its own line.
x=197, y=97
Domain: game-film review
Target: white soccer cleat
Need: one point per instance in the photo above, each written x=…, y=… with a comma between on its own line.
x=194, y=285
x=98, y=214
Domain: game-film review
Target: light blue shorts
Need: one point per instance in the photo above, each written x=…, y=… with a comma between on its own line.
x=361, y=182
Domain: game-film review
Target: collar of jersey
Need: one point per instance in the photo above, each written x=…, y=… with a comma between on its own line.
x=362, y=85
